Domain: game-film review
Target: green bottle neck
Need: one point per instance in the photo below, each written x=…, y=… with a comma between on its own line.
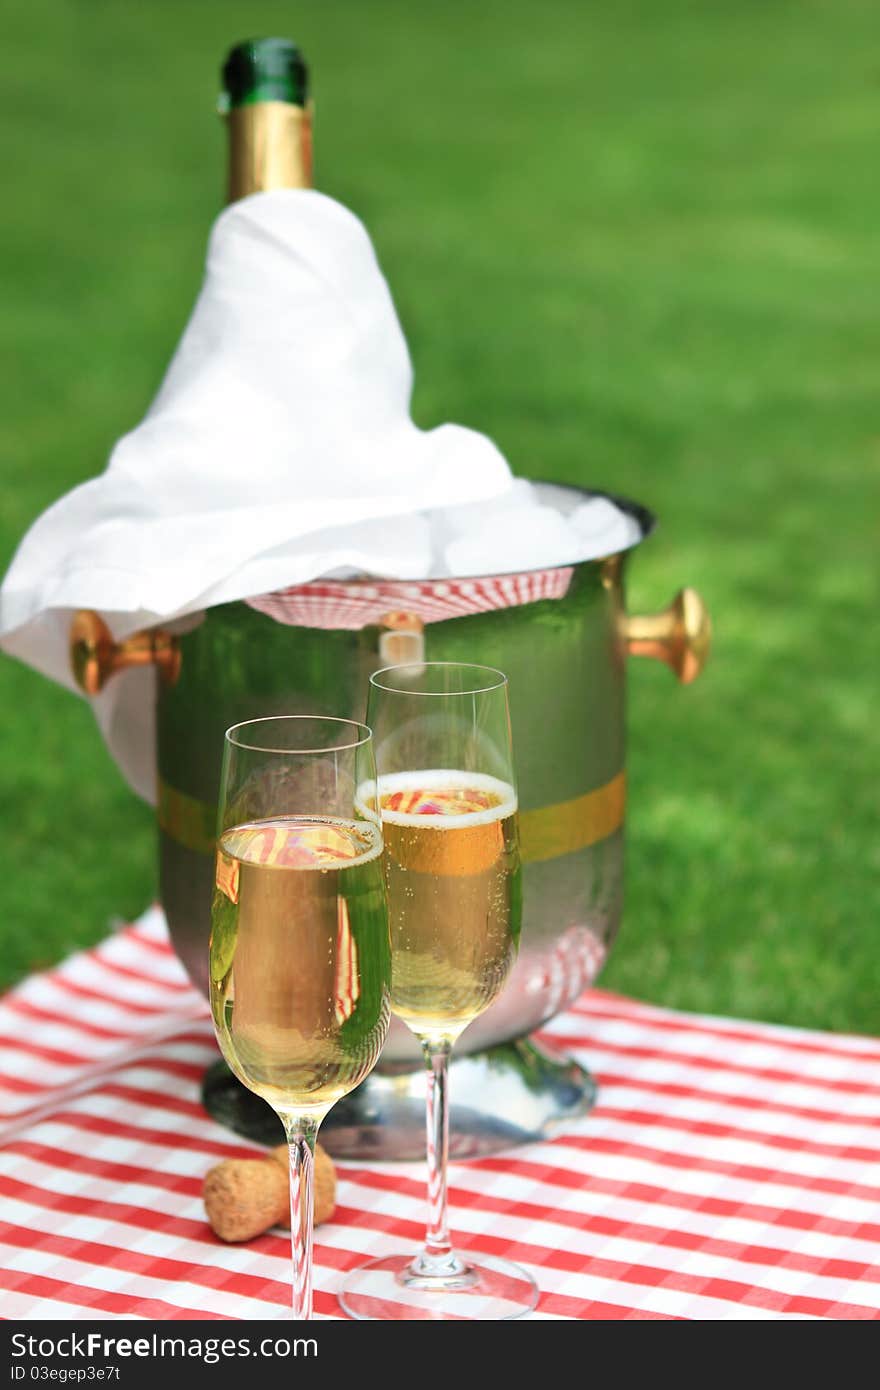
x=265, y=70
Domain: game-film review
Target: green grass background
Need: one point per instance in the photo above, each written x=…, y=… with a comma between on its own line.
x=635, y=243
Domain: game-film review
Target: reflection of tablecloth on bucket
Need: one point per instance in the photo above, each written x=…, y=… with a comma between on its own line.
x=730, y=1170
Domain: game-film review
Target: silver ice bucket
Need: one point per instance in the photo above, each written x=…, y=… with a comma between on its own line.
x=562, y=635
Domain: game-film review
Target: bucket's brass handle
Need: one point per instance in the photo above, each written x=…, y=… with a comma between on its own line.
x=95, y=656
x=680, y=635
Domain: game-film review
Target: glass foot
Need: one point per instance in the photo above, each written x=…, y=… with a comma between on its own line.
x=402, y=1287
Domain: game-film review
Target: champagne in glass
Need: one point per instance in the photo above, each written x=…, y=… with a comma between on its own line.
x=452, y=868
x=300, y=953
x=447, y=799
x=298, y=901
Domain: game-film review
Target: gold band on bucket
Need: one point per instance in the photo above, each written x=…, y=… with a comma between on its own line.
x=186, y=820
x=551, y=831
x=270, y=146
x=545, y=833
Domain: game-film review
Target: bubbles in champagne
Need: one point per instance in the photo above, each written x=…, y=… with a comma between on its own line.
x=452, y=871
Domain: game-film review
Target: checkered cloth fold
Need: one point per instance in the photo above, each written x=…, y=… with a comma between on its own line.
x=337, y=604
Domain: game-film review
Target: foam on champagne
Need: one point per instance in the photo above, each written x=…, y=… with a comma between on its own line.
x=451, y=798
x=303, y=842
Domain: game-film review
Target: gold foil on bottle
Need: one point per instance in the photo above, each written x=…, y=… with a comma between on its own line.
x=270, y=146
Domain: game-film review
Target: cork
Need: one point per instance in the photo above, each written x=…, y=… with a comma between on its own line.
x=245, y=1196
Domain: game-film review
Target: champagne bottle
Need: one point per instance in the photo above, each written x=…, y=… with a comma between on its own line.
x=265, y=99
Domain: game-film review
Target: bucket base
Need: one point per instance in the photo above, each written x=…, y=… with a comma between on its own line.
x=516, y=1093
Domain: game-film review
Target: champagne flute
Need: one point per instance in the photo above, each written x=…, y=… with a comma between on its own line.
x=300, y=953
x=447, y=798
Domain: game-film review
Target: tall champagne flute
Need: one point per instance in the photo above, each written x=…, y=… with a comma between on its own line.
x=300, y=953
x=447, y=798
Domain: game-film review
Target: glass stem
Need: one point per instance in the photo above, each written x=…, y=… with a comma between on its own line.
x=301, y=1136
x=438, y=1246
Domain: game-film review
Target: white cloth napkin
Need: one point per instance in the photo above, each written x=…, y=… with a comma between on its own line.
x=279, y=448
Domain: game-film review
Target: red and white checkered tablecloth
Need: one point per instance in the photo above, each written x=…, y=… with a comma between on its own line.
x=729, y=1170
